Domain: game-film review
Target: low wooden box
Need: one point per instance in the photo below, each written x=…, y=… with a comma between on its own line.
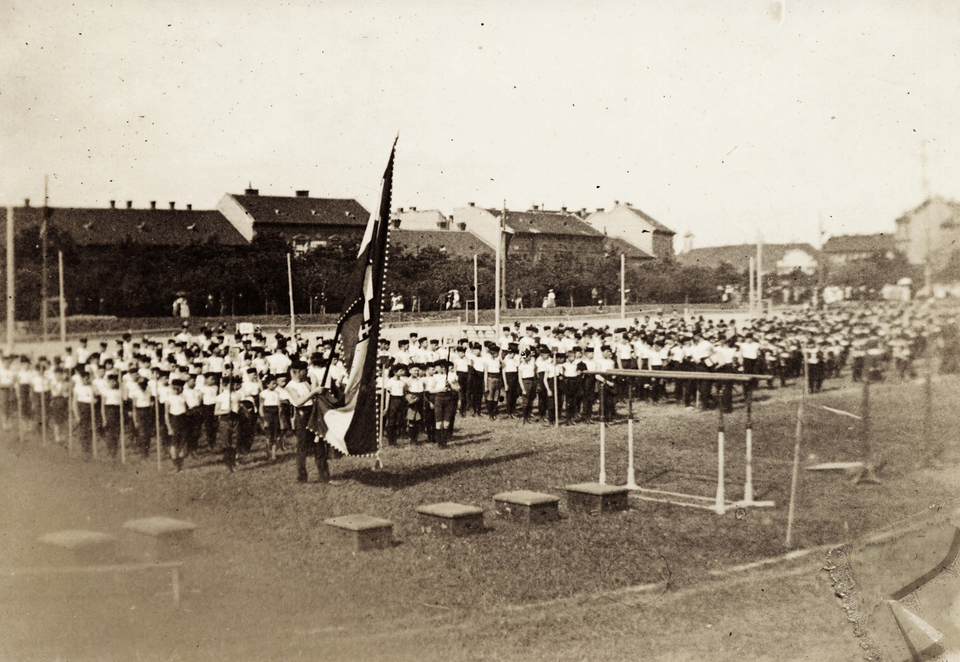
x=526, y=506
x=162, y=538
x=362, y=532
x=450, y=518
x=76, y=547
x=597, y=498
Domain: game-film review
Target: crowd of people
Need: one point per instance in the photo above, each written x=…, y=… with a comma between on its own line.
x=239, y=394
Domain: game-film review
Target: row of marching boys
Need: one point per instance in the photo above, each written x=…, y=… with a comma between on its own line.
x=220, y=401
x=425, y=390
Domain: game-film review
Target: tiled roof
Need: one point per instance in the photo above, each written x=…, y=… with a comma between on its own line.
x=269, y=209
x=618, y=246
x=739, y=255
x=153, y=227
x=452, y=242
x=546, y=222
x=657, y=225
x=860, y=243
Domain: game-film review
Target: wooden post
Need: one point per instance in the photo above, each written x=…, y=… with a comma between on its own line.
x=70, y=421
x=19, y=412
x=928, y=405
x=748, y=484
x=796, y=456
x=93, y=427
x=603, y=431
x=156, y=409
x=43, y=413
x=556, y=394
x=123, y=443
x=631, y=478
x=865, y=410
x=720, y=505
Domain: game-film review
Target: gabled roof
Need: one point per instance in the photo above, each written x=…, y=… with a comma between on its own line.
x=617, y=246
x=276, y=209
x=657, y=225
x=860, y=243
x=452, y=242
x=151, y=227
x=546, y=222
x=739, y=255
x=950, y=204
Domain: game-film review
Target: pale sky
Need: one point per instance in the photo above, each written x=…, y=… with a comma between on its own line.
x=711, y=116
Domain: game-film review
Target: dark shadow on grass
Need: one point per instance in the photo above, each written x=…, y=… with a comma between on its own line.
x=402, y=478
x=473, y=437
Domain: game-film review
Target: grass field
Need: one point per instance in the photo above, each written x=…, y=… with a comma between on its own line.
x=268, y=584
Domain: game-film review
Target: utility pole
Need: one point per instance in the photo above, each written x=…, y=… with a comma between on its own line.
x=11, y=291
x=623, y=286
x=496, y=287
x=63, y=301
x=293, y=317
x=43, y=269
x=822, y=267
x=760, y=272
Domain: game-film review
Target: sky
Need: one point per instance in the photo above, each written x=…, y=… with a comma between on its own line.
x=727, y=119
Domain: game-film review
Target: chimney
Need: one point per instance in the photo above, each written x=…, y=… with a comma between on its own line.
x=616, y=202
x=599, y=209
x=396, y=223
x=399, y=210
x=303, y=194
x=413, y=209
x=471, y=204
x=251, y=191
x=462, y=226
x=628, y=204
x=153, y=204
x=129, y=204
x=173, y=205
x=563, y=209
x=26, y=202
x=113, y=204
x=583, y=212
x=189, y=207
x=536, y=208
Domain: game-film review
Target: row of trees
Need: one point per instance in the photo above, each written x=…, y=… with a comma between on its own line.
x=141, y=281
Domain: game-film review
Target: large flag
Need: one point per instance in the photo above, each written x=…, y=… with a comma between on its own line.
x=351, y=425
